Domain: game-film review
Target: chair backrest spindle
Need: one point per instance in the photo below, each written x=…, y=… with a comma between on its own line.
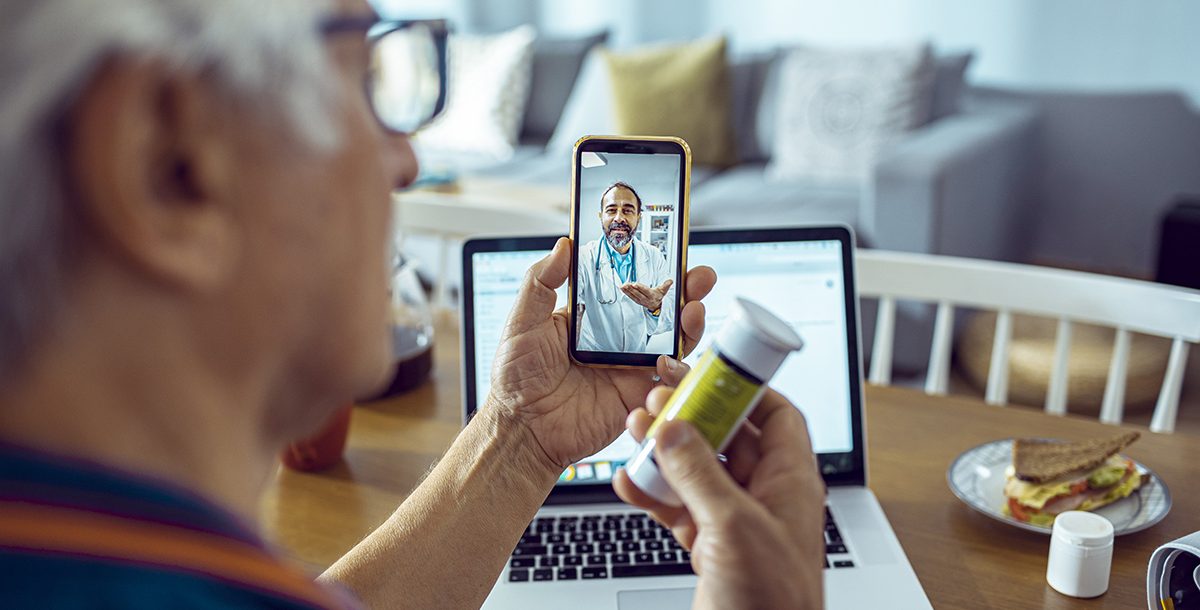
x=881, y=352
x=937, y=380
x=1167, y=407
x=1056, y=393
x=1069, y=296
x=1112, y=408
x=997, y=384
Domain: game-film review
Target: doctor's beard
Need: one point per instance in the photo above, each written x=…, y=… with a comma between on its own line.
x=618, y=242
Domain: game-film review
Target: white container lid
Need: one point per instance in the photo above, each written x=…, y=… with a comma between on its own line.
x=1084, y=529
x=647, y=477
x=756, y=339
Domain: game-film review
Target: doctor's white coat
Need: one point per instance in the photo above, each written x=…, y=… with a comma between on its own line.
x=612, y=322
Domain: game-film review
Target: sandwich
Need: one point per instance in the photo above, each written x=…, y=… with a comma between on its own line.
x=1047, y=478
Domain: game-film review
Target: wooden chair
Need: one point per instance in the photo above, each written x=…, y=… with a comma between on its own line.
x=1007, y=288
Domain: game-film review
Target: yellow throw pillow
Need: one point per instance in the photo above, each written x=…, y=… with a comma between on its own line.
x=676, y=90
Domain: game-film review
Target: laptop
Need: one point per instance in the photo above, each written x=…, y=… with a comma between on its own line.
x=587, y=550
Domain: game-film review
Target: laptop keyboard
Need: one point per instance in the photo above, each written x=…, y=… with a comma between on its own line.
x=836, y=553
x=617, y=545
x=591, y=546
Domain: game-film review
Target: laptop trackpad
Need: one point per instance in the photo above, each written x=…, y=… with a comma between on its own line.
x=656, y=599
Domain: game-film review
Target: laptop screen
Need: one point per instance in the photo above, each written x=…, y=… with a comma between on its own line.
x=802, y=281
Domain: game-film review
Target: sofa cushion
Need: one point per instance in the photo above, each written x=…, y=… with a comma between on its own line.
x=552, y=167
x=556, y=66
x=676, y=90
x=756, y=129
x=747, y=85
x=949, y=82
x=837, y=109
x=448, y=165
x=742, y=196
x=589, y=109
x=488, y=88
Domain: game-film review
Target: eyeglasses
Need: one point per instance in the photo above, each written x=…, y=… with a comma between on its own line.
x=406, y=78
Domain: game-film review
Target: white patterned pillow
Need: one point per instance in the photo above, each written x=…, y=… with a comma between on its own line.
x=836, y=109
x=488, y=86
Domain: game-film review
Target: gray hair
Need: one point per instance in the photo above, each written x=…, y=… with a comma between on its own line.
x=266, y=53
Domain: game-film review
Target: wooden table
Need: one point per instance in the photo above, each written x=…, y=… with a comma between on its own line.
x=962, y=558
x=476, y=206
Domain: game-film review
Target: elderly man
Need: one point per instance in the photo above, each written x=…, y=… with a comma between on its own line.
x=624, y=289
x=194, y=211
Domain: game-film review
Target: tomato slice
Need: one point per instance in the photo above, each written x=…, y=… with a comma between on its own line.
x=1017, y=510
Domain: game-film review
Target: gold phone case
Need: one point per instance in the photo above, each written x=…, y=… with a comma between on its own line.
x=684, y=213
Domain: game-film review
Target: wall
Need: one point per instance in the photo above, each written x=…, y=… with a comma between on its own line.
x=1108, y=169
x=1072, y=44
x=1075, y=44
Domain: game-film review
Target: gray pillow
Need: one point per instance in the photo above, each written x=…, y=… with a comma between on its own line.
x=747, y=80
x=837, y=108
x=556, y=64
x=949, y=81
x=764, y=118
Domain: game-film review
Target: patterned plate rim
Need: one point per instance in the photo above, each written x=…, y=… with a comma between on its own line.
x=995, y=515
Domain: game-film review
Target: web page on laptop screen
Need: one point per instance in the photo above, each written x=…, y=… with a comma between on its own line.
x=802, y=283
x=496, y=278
x=799, y=281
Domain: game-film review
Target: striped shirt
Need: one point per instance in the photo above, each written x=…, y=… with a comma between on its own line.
x=77, y=535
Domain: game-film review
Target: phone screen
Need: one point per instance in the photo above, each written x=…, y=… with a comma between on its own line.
x=630, y=222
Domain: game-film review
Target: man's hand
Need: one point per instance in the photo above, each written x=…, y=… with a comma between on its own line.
x=650, y=298
x=572, y=411
x=755, y=530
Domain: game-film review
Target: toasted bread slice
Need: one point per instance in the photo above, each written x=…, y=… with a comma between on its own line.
x=1040, y=461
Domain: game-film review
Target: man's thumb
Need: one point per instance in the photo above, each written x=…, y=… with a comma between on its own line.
x=536, y=298
x=691, y=468
x=666, y=285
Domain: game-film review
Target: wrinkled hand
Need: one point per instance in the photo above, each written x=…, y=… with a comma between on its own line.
x=756, y=529
x=650, y=298
x=572, y=411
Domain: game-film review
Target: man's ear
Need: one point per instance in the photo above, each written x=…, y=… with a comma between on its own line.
x=150, y=164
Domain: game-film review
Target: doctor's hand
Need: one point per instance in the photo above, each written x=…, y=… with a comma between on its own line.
x=650, y=298
x=755, y=527
x=567, y=411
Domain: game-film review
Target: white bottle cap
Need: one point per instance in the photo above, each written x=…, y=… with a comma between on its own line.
x=756, y=339
x=643, y=471
x=1081, y=528
x=1080, y=558
x=757, y=342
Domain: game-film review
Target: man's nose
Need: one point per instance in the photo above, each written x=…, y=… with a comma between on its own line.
x=401, y=162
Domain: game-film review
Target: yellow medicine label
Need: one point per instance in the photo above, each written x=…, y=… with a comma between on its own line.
x=712, y=397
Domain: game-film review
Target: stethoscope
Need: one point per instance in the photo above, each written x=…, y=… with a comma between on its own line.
x=612, y=272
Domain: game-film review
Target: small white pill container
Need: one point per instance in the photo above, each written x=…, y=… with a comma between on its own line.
x=1080, y=559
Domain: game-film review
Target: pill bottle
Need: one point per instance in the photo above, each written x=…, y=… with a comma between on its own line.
x=721, y=390
x=1081, y=546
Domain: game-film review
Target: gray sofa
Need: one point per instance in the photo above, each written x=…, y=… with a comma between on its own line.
x=949, y=187
x=957, y=185
x=1107, y=166
x=1072, y=179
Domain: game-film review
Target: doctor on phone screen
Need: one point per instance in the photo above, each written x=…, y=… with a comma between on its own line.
x=625, y=287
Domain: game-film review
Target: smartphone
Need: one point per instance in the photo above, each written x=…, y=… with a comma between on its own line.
x=629, y=232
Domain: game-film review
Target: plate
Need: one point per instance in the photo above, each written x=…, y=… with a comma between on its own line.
x=977, y=478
